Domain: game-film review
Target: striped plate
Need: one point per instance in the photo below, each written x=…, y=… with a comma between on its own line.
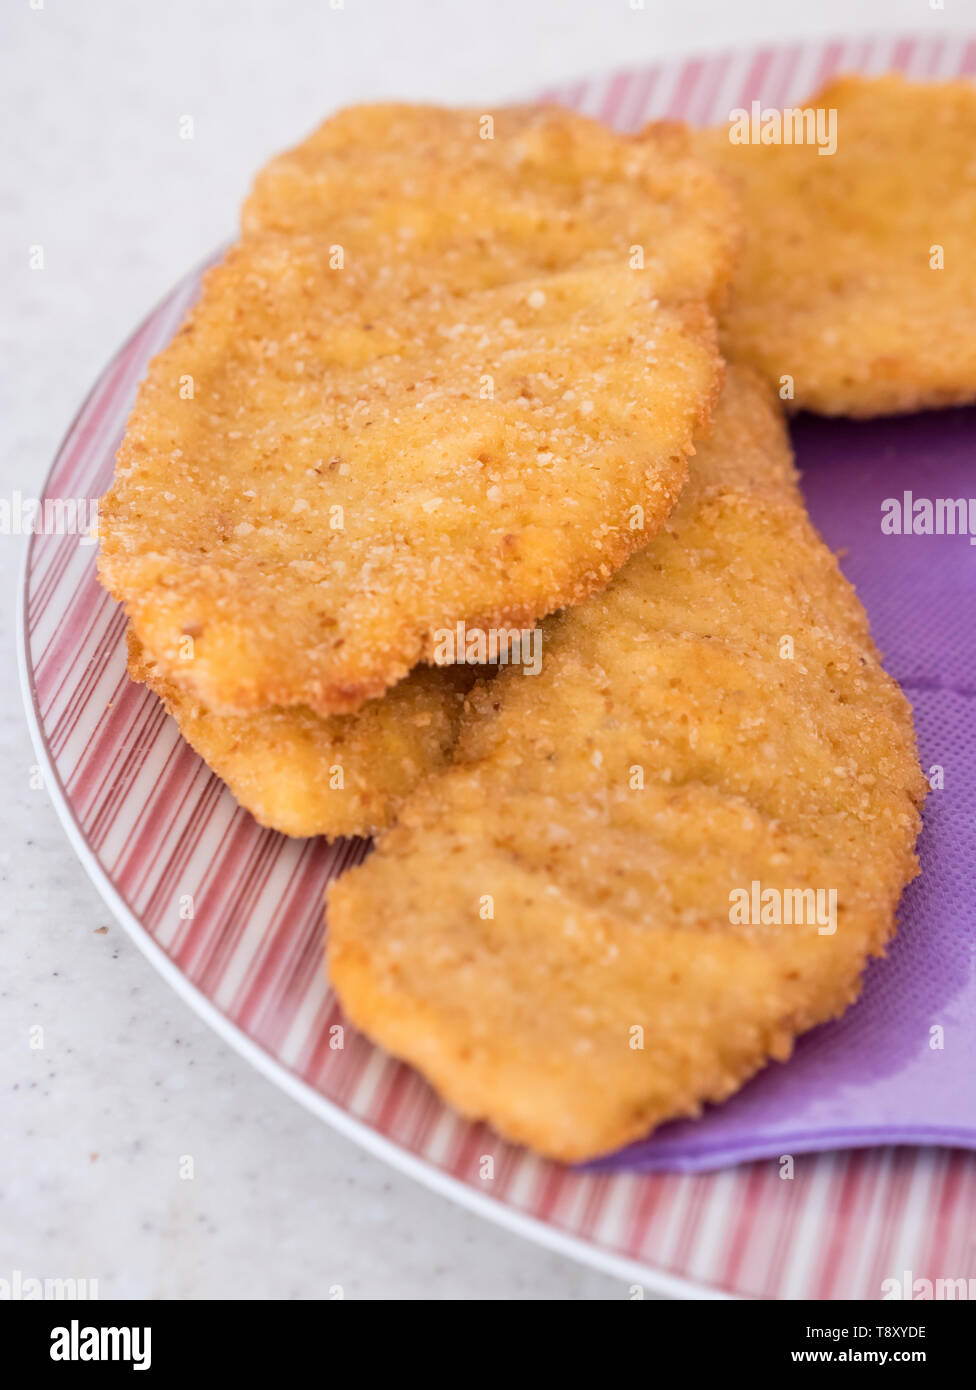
x=151, y=825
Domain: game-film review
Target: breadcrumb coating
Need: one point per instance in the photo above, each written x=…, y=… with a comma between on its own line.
x=304, y=775
x=352, y=445
x=475, y=205
x=547, y=933
x=857, y=279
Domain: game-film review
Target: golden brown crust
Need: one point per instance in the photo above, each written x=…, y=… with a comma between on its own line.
x=304, y=775
x=548, y=190
x=470, y=420
x=836, y=286
x=562, y=893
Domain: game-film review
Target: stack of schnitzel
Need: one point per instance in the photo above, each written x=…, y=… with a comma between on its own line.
x=474, y=382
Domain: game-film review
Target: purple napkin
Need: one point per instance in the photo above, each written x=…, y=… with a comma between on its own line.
x=873, y=1077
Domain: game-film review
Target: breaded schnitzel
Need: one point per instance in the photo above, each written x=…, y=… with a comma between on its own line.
x=304, y=775
x=341, y=455
x=554, y=930
x=477, y=199
x=857, y=278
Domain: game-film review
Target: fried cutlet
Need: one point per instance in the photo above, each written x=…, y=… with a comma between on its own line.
x=341, y=455
x=553, y=931
x=856, y=289
x=473, y=199
x=304, y=775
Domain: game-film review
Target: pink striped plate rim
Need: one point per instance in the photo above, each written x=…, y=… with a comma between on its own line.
x=151, y=824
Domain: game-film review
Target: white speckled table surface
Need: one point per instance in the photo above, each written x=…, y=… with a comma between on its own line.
x=127, y=1079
